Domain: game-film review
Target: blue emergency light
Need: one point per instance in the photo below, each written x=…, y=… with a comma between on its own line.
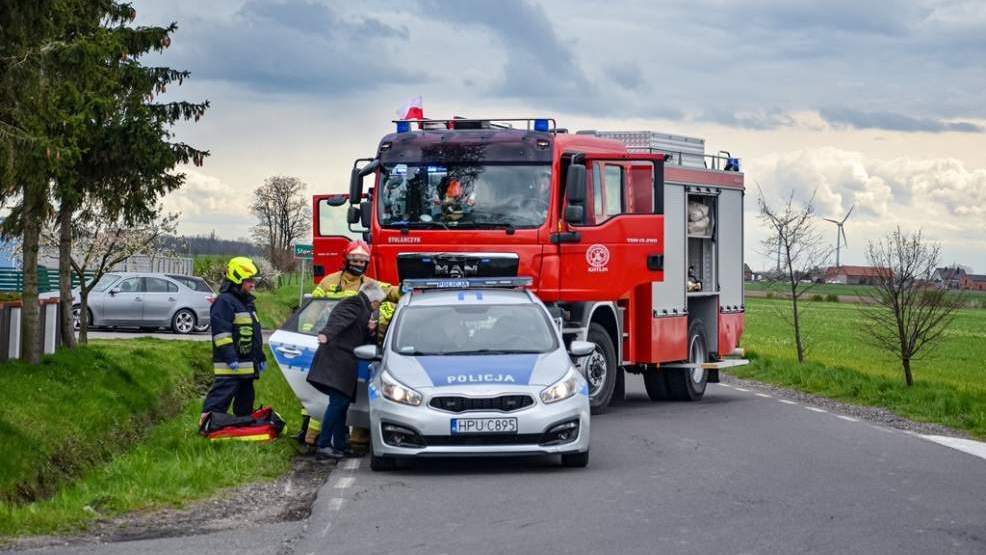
x=403, y=126
x=465, y=283
x=541, y=125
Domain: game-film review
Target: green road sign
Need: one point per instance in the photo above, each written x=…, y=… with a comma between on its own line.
x=303, y=251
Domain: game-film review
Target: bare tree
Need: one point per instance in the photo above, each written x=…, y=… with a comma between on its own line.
x=284, y=216
x=909, y=315
x=100, y=243
x=799, y=248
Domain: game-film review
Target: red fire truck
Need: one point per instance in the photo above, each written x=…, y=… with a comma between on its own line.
x=634, y=239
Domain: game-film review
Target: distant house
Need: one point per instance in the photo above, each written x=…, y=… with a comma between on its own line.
x=975, y=282
x=852, y=275
x=948, y=278
x=747, y=273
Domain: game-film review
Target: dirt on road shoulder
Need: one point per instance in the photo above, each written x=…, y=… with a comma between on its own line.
x=287, y=499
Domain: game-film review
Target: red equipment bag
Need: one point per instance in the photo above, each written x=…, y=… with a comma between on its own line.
x=263, y=425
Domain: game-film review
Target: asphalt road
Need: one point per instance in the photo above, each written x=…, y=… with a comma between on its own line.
x=740, y=472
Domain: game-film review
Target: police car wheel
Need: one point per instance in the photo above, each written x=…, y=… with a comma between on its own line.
x=688, y=384
x=575, y=460
x=382, y=464
x=600, y=369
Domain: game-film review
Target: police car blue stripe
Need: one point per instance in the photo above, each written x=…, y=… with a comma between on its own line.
x=303, y=362
x=478, y=370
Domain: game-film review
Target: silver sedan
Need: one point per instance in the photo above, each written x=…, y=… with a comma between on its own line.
x=149, y=300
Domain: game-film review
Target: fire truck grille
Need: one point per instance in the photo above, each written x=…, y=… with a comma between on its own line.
x=503, y=403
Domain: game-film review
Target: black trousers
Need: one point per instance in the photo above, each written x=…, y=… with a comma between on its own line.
x=226, y=389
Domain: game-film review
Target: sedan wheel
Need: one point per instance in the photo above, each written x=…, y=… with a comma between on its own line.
x=183, y=321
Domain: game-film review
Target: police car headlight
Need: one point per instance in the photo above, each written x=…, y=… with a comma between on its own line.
x=393, y=390
x=562, y=389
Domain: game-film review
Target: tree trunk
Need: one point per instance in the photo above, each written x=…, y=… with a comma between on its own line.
x=65, y=319
x=30, y=311
x=83, y=314
x=907, y=372
x=797, y=324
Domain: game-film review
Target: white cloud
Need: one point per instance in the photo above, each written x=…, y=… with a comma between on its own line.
x=207, y=204
x=940, y=196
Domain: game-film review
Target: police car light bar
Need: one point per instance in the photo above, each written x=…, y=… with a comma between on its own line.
x=465, y=283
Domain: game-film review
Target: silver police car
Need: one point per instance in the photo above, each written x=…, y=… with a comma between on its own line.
x=471, y=370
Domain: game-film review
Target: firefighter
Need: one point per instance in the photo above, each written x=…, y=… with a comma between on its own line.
x=351, y=277
x=346, y=283
x=237, y=344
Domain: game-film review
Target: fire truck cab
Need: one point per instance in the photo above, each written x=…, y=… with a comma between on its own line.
x=634, y=240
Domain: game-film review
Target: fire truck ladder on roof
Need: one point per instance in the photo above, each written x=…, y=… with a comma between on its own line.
x=712, y=161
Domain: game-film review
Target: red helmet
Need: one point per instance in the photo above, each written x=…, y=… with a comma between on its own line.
x=358, y=247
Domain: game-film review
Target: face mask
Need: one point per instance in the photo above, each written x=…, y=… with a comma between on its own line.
x=354, y=270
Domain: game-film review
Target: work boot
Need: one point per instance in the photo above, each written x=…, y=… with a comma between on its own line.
x=303, y=432
x=328, y=454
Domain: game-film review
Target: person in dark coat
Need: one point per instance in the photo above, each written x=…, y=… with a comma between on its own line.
x=334, y=369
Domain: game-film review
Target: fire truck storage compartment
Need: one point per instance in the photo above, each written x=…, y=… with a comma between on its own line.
x=702, y=231
x=668, y=296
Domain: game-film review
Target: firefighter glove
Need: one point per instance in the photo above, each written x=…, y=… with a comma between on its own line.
x=261, y=367
x=235, y=365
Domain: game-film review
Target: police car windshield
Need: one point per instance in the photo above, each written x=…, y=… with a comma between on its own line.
x=464, y=195
x=474, y=330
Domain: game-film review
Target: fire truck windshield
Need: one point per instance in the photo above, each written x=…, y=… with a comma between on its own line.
x=464, y=195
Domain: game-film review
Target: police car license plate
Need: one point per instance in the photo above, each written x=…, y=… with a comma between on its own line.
x=484, y=426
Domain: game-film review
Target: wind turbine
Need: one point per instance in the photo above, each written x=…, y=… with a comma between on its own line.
x=840, y=234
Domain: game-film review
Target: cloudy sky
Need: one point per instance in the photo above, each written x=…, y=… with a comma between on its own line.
x=875, y=104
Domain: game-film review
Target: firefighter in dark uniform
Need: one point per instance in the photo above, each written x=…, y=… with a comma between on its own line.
x=237, y=344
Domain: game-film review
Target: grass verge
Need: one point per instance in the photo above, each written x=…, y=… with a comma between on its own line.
x=167, y=465
x=950, y=385
x=275, y=306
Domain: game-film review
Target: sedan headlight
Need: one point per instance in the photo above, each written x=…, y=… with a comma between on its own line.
x=562, y=389
x=398, y=393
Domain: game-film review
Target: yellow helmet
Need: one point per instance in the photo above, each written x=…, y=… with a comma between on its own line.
x=239, y=269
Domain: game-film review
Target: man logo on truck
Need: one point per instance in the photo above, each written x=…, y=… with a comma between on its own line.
x=598, y=257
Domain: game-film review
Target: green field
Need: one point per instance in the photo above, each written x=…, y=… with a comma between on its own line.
x=275, y=306
x=974, y=299
x=950, y=383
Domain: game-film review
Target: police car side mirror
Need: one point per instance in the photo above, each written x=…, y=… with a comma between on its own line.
x=581, y=348
x=113, y=292
x=368, y=352
x=575, y=184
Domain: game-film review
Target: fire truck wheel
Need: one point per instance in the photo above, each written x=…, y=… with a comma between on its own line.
x=656, y=383
x=688, y=384
x=600, y=369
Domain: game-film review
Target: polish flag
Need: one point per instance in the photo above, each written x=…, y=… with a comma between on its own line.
x=412, y=110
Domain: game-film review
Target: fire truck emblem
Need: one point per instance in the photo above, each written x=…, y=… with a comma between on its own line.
x=598, y=257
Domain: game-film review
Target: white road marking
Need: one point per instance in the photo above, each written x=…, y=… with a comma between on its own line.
x=351, y=464
x=764, y=395
x=786, y=402
x=335, y=503
x=726, y=385
x=344, y=482
x=816, y=409
x=847, y=418
x=972, y=447
x=742, y=389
